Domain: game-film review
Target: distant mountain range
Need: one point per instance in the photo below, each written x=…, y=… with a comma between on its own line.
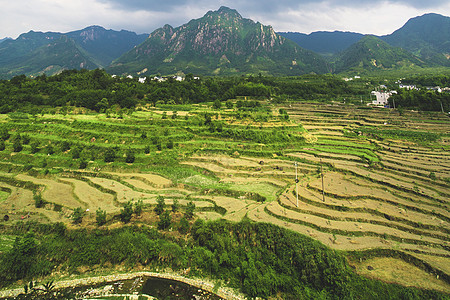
x=34, y=53
x=222, y=42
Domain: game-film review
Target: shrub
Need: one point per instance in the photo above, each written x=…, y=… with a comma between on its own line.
x=17, y=145
x=175, y=205
x=110, y=155
x=38, y=201
x=2, y=145
x=183, y=226
x=77, y=215
x=100, y=217
x=165, y=220
x=35, y=147
x=190, y=208
x=129, y=156
x=127, y=212
x=138, y=207
x=160, y=205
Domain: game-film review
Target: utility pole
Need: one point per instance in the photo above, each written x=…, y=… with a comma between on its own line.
x=296, y=181
x=321, y=173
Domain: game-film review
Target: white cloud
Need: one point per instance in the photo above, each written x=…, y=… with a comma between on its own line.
x=365, y=16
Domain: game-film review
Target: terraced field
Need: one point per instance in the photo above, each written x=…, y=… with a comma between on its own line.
x=372, y=183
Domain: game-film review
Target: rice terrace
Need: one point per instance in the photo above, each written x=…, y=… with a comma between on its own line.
x=371, y=183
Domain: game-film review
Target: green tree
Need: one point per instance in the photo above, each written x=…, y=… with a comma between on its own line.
x=217, y=104
x=17, y=145
x=110, y=155
x=129, y=156
x=175, y=205
x=38, y=200
x=77, y=215
x=2, y=145
x=165, y=220
x=127, y=212
x=189, y=212
x=100, y=216
x=138, y=207
x=49, y=149
x=35, y=147
x=183, y=226
x=160, y=205
x=4, y=134
x=76, y=151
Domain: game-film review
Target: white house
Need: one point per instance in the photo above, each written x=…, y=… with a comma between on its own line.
x=142, y=79
x=382, y=97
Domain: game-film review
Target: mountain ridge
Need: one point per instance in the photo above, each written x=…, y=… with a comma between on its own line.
x=221, y=42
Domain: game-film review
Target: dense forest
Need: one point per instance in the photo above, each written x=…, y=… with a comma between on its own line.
x=261, y=259
x=97, y=90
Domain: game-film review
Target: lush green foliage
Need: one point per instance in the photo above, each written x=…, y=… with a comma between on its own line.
x=261, y=259
x=421, y=99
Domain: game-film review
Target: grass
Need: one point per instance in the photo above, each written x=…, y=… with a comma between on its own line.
x=6, y=242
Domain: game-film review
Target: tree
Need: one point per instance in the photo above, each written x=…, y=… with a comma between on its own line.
x=129, y=156
x=165, y=220
x=138, y=207
x=4, y=135
x=77, y=215
x=175, y=205
x=50, y=149
x=190, y=208
x=127, y=212
x=183, y=226
x=110, y=155
x=2, y=145
x=75, y=152
x=160, y=205
x=17, y=145
x=100, y=217
x=38, y=201
x=217, y=104
x=35, y=147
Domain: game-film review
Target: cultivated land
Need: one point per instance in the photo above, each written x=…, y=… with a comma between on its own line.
x=384, y=200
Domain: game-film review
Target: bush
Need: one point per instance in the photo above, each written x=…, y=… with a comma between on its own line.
x=110, y=155
x=175, y=205
x=183, y=226
x=100, y=217
x=38, y=201
x=77, y=215
x=17, y=145
x=165, y=220
x=190, y=208
x=35, y=147
x=2, y=145
x=138, y=207
x=129, y=156
x=160, y=205
x=83, y=164
x=127, y=212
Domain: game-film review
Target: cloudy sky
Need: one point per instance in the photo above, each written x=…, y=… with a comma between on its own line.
x=143, y=16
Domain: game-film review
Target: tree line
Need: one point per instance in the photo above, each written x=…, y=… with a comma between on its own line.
x=260, y=259
x=98, y=91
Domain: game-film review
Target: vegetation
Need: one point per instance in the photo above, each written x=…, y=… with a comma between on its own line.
x=261, y=259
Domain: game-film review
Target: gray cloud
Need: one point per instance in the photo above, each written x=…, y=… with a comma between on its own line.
x=365, y=16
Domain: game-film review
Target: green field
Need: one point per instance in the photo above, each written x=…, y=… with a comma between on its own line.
x=385, y=176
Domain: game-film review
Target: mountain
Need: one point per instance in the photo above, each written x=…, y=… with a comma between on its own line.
x=371, y=53
x=34, y=53
x=4, y=39
x=324, y=42
x=57, y=54
x=426, y=36
x=106, y=45
x=220, y=43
